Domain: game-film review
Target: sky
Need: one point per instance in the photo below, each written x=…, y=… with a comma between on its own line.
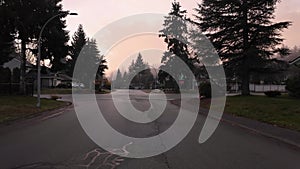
x=97, y=14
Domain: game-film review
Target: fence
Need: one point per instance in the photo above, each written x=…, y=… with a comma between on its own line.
x=14, y=89
x=265, y=88
x=256, y=88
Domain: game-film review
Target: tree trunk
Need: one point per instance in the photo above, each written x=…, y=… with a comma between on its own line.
x=101, y=83
x=246, y=83
x=246, y=73
x=23, y=68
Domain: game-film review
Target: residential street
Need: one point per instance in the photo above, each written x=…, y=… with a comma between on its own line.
x=59, y=142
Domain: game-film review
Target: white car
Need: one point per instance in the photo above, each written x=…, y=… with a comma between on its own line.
x=77, y=85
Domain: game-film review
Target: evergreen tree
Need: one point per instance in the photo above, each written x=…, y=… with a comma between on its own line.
x=91, y=60
x=27, y=18
x=243, y=33
x=125, y=78
x=140, y=64
x=175, y=34
x=140, y=73
x=6, y=32
x=102, y=66
x=78, y=41
x=139, y=69
x=55, y=37
x=131, y=69
x=119, y=79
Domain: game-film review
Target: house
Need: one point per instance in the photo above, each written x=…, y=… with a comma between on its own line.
x=275, y=75
x=51, y=80
x=274, y=72
x=10, y=77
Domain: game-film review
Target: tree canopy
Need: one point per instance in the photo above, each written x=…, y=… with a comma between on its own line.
x=79, y=39
x=243, y=32
x=6, y=33
x=23, y=21
x=140, y=73
x=91, y=59
x=176, y=35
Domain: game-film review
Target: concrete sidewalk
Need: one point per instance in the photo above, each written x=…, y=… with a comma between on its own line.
x=271, y=131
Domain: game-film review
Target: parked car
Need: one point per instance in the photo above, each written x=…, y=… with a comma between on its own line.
x=64, y=85
x=77, y=85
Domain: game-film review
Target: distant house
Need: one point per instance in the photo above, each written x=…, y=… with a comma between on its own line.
x=51, y=80
x=275, y=75
x=277, y=71
x=274, y=72
x=10, y=76
x=14, y=66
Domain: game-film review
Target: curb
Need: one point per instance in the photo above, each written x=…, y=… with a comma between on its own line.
x=32, y=117
x=268, y=135
x=291, y=142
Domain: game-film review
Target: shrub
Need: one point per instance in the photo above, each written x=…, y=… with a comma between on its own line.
x=273, y=93
x=97, y=87
x=107, y=85
x=205, y=90
x=293, y=86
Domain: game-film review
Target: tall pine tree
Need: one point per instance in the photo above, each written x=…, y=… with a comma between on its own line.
x=56, y=38
x=79, y=39
x=140, y=73
x=243, y=33
x=140, y=64
x=91, y=59
x=6, y=33
x=175, y=34
x=118, y=82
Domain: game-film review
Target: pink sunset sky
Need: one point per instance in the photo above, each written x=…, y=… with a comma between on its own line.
x=96, y=14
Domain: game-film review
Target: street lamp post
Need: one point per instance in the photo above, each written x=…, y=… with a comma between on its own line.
x=39, y=57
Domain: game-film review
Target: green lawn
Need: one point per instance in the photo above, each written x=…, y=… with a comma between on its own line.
x=281, y=111
x=16, y=107
x=69, y=91
x=56, y=91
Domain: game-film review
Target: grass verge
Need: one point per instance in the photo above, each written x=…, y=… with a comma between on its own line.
x=56, y=91
x=18, y=107
x=280, y=111
x=69, y=91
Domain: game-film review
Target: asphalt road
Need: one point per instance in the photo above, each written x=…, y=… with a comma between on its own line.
x=59, y=142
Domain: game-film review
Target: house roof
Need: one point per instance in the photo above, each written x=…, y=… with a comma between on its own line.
x=58, y=76
x=33, y=75
x=16, y=63
x=288, y=58
x=295, y=62
x=64, y=77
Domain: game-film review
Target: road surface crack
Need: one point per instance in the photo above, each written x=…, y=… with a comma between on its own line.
x=164, y=155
